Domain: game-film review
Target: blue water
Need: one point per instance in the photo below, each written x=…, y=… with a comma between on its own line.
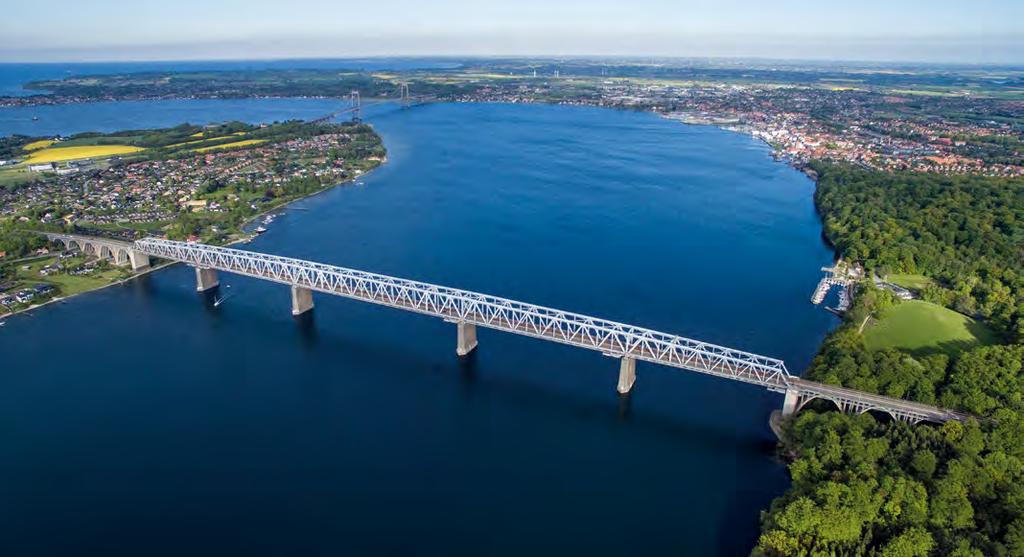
x=141, y=420
x=69, y=119
x=13, y=76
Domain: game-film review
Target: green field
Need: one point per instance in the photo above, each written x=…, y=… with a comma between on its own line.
x=68, y=284
x=914, y=282
x=12, y=176
x=923, y=328
x=245, y=143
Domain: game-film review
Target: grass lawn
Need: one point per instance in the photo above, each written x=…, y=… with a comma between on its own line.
x=196, y=141
x=914, y=282
x=16, y=175
x=923, y=328
x=149, y=227
x=244, y=143
x=68, y=284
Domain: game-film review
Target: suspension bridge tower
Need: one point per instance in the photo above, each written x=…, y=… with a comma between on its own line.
x=356, y=105
x=404, y=94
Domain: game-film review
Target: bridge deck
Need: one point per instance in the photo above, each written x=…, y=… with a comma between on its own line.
x=869, y=401
x=608, y=337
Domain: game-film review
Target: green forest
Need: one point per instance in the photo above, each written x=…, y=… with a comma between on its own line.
x=966, y=232
x=866, y=485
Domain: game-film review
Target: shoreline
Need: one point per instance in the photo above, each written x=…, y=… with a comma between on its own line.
x=285, y=205
x=91, y=290
x=722, y=124
x=172, y=263
x=731, y=126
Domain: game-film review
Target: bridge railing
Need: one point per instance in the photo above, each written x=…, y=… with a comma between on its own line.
x=608, y=337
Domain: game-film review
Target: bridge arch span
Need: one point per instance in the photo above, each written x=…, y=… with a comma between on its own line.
x=805, y=401
x=120, y=252
x=878, y=413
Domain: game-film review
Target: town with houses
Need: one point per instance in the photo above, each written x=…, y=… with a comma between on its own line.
x=949, y=134
x=853, y=117
x=208, y=192
x=207, y=195
x=158, y=190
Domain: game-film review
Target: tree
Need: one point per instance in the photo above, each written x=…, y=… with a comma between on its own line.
x=913, y=542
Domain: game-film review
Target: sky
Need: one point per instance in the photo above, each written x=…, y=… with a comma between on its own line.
x=975, y=31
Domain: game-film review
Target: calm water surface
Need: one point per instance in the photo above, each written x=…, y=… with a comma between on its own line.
x=141, y=420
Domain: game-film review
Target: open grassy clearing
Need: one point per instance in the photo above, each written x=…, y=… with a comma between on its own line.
x=70, y=285
x=914, y=282
x=246, y=143
x=198, y=141
x=925, y=92
x=67, y=284
x=923, y=328
x=148, y=227
x=15, y=176
x=58, y=154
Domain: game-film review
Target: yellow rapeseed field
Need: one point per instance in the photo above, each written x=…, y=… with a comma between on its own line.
x=245, y=143
x=37, y=144
x=57, y=154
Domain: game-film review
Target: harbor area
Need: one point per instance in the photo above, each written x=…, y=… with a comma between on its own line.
x=842, y=276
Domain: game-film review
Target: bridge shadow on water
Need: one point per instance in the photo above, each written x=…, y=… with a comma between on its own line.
x=469, y=371
x=305, y=325
x=333, y=353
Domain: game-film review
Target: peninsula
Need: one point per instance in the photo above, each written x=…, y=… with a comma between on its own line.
x=198, y=183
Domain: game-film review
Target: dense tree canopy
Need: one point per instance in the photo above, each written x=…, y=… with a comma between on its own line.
x=965, y=231
x=869, y=486
x=16, y=242
x=864, y=485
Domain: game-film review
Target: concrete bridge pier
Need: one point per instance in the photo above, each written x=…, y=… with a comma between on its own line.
x=302, y=300
x=791, y=403
x=139, y=260
x=627, y=374
x=467, y=338
x=206, y=279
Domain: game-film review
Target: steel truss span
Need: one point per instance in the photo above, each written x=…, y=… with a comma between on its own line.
x=608, y=337
x=469, y=309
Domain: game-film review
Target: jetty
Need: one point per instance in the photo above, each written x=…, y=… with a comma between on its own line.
x=842, y=276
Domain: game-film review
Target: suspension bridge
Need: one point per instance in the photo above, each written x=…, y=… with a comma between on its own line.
x=355, y=104
x=468, y=310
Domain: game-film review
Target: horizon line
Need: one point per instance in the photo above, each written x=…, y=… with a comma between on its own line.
x=545, y=57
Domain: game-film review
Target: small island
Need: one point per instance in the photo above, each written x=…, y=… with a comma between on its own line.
x=189, y=182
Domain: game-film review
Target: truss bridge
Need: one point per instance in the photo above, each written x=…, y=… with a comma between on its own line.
x=468, y=310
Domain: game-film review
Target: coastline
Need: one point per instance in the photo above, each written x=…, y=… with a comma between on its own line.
x=775, y=418
x=166, y=264
x=98, y=288
x=285, y=205
x=734, y=127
